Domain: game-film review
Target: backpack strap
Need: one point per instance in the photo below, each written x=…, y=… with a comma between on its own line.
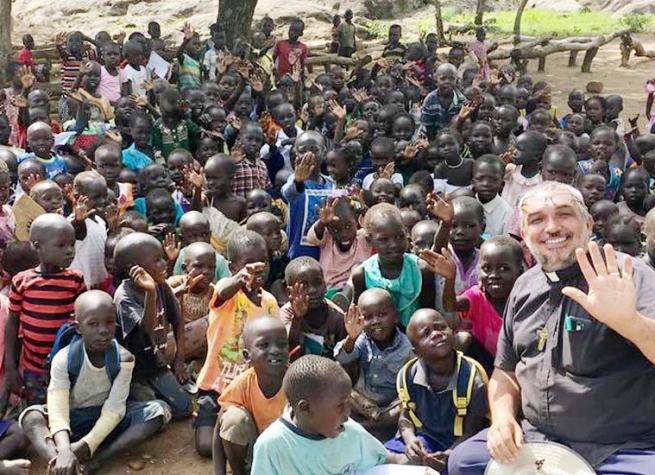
x=467, y=368
x=403, y=393
x=112, y=360
x=75, y=359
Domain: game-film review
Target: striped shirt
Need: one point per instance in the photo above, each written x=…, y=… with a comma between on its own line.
x=43, y=303
x=70, y=66
x=189, y=75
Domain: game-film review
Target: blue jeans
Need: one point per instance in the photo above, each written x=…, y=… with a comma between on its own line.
x=471, y=458
x=163, y=386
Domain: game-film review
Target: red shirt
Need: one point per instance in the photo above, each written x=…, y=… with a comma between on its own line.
x=43, y=303
x=25, y=57
x=288, y=55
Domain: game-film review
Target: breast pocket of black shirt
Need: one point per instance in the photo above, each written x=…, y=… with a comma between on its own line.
x=588, y=347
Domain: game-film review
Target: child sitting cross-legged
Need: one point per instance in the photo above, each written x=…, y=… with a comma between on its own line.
x=146, y=307
x=236, y=300
x=254, y=399
x=380, y=349
x=316, y=436
x=88, y=418
x=434, y=389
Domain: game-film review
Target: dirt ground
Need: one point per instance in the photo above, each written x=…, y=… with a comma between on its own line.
x=172, y=453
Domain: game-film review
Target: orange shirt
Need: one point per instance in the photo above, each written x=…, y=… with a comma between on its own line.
x=225, y=349
x=244, y=391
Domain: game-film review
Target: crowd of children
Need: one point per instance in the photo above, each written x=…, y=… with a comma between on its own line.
x=316, y=267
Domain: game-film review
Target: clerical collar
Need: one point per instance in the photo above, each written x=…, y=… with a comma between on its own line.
x=563, y=275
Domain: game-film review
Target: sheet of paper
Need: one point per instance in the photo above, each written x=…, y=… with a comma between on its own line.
x=395, y=470
x=63, y=138
x=158, y=64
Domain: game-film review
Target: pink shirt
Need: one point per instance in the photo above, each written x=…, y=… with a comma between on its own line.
x=516, y=185
x=486, y=322
x=337, y=265
x=110, y=86
x=4, y=315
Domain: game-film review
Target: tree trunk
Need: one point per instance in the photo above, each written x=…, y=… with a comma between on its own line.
x=439, y=19
x=479, y=12
x=234, y=18
x=5, y=37
x=517, y=22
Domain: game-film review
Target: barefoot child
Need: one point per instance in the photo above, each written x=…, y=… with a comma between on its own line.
x=236, y=300
x=380, y=349
x=254, y=399
x=145, y=308
x=317, y=426
x=430, y=422
x=56, y=287
x=88, y=418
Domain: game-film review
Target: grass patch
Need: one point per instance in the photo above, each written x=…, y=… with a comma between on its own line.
x=544, y=22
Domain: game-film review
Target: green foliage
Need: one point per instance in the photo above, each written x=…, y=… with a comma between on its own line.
x=377, y=29
x=545, y=22
x=638, y=22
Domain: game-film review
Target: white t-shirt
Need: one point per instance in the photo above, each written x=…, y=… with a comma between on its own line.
x=90, y=252
x=396, y=179
x=137, y=77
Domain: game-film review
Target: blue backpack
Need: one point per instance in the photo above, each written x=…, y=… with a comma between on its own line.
x=67, y=335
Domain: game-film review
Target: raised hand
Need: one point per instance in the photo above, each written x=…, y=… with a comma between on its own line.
x=142, y=279
x=353, y=132
x=612, y=297
x=171, y=247
x=256, y=83
x=112, y=216
x=192, y=178
x=114, y=135
x=192, y=279
x=60, y=38
x=299, y=300
x=387, y=171
x=32, y=179
x=442, y=264
x=338, y=111
x=250, y=272
x=441, y=208
x=305, y=166
x=354, y=322
x=27, y=78
x=326, y=211
x=120, y=37
x=466, y=110
x=81, y=208
x=138, y=100
x=411, y=150
x=18, y=101
x=188, y=31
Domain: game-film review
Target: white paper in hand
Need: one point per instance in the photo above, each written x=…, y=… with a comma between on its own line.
x=397, y=470
x=158, y=64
